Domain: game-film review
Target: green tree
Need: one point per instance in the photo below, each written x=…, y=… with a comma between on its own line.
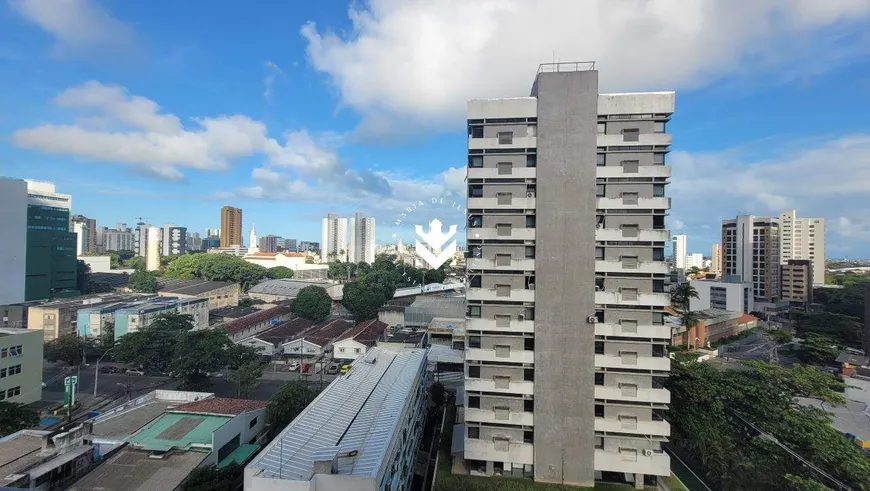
x=437, y=394
x=69, y=348
x=216, y=267
x=153, y=347
x=15, y=417
x=279, y=272
x=210, y=478
x=817, y=349
x=198, y=353
x=845, y=330
x=83, y=274
x=688, y=320
x=246, y=377
x=312, y=303
x=290, y=400
x=107, y=337
x=682, y=296
x=143, y=282
x=361, y=301
x=797, y=483
x=135, y=262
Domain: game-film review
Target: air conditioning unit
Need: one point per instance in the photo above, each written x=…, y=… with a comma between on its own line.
x=647, y=452
x=521, y=316
x=530, y=194
x=597, y=288
x=592, y=319
x=531, y=286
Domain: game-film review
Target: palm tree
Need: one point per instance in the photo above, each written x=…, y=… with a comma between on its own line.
x=682, y=295
x=689, y=319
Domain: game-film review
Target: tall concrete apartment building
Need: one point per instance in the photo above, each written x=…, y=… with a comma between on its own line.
x=87, y=228
x=803, y=238
x=566, y=341
x=361, y=246
x=716, y=259
x=231, y=226
x=751, y=253
x=173, y=240
x=679, y=244
x=333, y=238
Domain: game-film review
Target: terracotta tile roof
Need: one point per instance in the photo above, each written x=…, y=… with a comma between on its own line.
x=285, y=331
x=220, y=405
x=366, y=332
x=327, y=332
x=247, y=321
x=746, y=318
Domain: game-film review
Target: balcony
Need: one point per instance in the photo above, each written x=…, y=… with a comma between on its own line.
x=515, y=202
x=656, y=463
x=488, y=416
x=515, y=325
x=514, y=265
x=639, y=362
x=519, y=142
x=492, y=173
x=518, y=453
x=492, y=233
x=643, y=139
x=614, y=425
x=516, y=295
x=647, y=299
x=613, y=266
x=515, y=356
x=619, y=204
x=616, y=234
x=488, y=385
x=641, y=331
x=661, y=396
x=642, y=171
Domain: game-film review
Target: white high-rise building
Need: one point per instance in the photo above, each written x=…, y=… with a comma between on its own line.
x=333, y=243
x=803, y=238
x=362, y=239
x=694, y=260
x=13, y=247
x=750, y=246
x=81, y=231
x=678, y=244
x=716, y=259
x=152, y=253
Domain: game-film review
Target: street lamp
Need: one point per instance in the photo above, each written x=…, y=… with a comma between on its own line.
x=97, y=372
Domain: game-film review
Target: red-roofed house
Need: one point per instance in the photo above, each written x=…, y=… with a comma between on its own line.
x=269, y=342
x=358, y=340
x=315, y=342
x=256, y=322
x=220, y=406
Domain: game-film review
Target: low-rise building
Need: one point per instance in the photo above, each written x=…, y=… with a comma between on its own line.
x=220, y=294
x=446, y=331
x=713, y=325
x=392, y=315
x=424, y=309
x=361, y=433
x=58, y=317
x=287, y=289
x=14, y=315
x=21, y=365
x=134, y=317
x=32, y=459
x=356, y=342
x=302, y=270
x=724, y=294
x=255, y=322
x=227, y=314
x=314, y=343
x=796, y=281
x=271, y=341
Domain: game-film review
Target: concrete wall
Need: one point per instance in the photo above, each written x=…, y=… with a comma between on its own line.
x=564, y=405
x=240, y=425
x=29, y=381
x=13, y=247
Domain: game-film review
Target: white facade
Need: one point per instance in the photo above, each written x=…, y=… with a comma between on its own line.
x=713, y=294
x=152, y=255
x=43, y=193
x=803, y=238
x=293, y=260
x=348, y=349
x=333, y=243
x=13, y=247
x=361, y=246
x=678, y=244
x=98, y=264
x=253, y=244
x=140, y=239
x=750, y=252
x=694, y=260
x=81, y=231
x=716, y=259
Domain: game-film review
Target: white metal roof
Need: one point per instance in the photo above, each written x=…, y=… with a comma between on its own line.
x=358, y=412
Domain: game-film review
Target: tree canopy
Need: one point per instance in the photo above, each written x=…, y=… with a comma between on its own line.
x=198, y=353
x=68, y=348
x=216, y=267
x=290, y=400
x=143, y=282
x=279, y=272
x=153, y=347
x=710, y=409
x=210, y=478
x=312, y=303
x=15, y=417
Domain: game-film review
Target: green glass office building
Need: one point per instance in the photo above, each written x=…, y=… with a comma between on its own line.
x=51, y=247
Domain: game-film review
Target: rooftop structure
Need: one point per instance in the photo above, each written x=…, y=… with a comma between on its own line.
x=257, y=321
x=424, y=309
x=270, y=341
x=126, y=419
x=220, y=294
x=32, y=459
x=355, y=342
x=361, y=431
x=115, y=280
x=283, y=289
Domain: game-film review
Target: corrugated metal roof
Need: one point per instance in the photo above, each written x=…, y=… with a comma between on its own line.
x=285, y=287
x=359, y=411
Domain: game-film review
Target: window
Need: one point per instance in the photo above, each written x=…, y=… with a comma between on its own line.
x=599, y=443
x=529, y=436
x=658, y=190
x=14, y=370
x=599, y=347
x=600, y=162
x=659, y=254
x=529, y=344
x=2, y=373
x=630, y=166
x=599, y=190
x=475, y=191
x=658, y=350
x=659, y=127
x=529, y=405
x=658, y=286
x=473, y=432
x=474, y=341
x=529, y=313
x=658, y=318
x=599, y=253
x=475, y=282
x=658, y=159
x=475, y=161
x=473, y=371
x=253, y=423
x=530, y=221
x=476, y=131
x=341, y=350
x=505, y=168
x=631, y=135
x=474, y=402
x=599, y=410
x=356, y=350
x=14, y=391
x=531, y=160
x=474, y=311
x=475, y=221
x=629, y=198
x=505, y=137
x=530, y=252
x=529, y=375
x=599, y=378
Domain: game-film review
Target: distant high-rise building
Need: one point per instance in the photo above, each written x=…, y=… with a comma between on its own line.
x=287, y=244
x=333, y=238
x=86, y=228
x=362, y=239
x=173, y=240
x=13, y=247
x=194, y=241
x=213, y=232
x=118, y=239
x=51, y=247
x=803, y=238
x=309, y=246
x=694, y=260
x=566, y=303
x=678, y=247
x=751, y=252
x=231, y=226
x=152, y=254
x=140, y=239
x=716, y=259
x=269, y=243
x=796, y=281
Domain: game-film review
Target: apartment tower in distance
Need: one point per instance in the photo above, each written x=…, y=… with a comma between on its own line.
x=333, y=245
x=750, y=247
x=231, y=226
x=803, y=238
x=362, y=239
x=566, y=342
x=716, y=259
x=679, y=250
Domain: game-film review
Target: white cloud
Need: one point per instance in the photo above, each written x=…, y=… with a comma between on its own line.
x=78, y=26
x=273, y=71
x=420, y=60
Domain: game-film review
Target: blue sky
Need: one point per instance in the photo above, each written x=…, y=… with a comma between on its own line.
x=289, y=110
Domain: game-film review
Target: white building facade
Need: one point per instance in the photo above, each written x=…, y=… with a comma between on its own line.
x=362, y=239
x=694, y=260
x=717, y=294
x=152, y=250
x=678, y=247
x=13, y=247
x=333, y=244
x=803, y=238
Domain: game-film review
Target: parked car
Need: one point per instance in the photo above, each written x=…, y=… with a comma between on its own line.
x=333, y=369
x=138, y=373
x=109, y=370
x=293, y=366
x=345, y=369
